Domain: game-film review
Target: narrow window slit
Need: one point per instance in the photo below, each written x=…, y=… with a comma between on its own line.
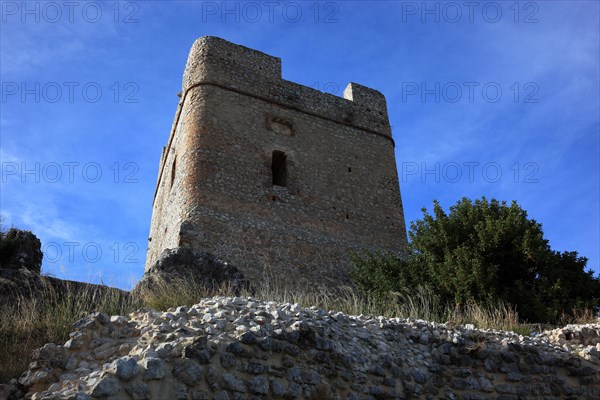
x=173, y=171
x=279, y=168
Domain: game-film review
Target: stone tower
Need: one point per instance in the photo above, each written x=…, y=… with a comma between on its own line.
x=279, y=179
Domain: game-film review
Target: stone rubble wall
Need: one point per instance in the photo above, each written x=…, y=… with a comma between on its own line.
x=240, y=348
x=583, y=340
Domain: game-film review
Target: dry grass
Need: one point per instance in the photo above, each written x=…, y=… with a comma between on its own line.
x=179, y=291
x=29, y=323
x=579, y=316
x=498, y=316
x=420, y=304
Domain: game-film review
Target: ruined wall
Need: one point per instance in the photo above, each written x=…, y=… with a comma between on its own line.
x=338, y=190
x=242, y=348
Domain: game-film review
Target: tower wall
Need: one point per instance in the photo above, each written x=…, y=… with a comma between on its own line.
x=338, y=191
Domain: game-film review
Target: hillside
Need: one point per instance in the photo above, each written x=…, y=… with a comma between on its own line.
x=240, y=348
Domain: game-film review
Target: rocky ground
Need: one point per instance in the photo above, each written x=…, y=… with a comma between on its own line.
x=240, y=348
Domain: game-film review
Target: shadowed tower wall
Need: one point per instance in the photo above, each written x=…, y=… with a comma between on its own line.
x=276, y=178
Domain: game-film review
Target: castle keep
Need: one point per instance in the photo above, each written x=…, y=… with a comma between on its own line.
x=279, y=179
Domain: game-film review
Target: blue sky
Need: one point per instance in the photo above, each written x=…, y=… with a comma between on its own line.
x=496, y=99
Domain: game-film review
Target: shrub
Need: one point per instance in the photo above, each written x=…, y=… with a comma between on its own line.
x=485, y=252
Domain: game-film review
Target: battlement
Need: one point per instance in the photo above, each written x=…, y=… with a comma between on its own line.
x=366, y=96
x=214, y=58
x=217, y=62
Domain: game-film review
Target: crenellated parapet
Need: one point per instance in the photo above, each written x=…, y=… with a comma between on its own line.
x=214, y=61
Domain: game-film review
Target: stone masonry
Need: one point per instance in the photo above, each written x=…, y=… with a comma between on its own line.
x=279, y=179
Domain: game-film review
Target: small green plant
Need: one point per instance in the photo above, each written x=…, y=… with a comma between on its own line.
x=523, y=330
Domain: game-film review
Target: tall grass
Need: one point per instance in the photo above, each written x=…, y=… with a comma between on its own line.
x=28, y=323
x=418, y=304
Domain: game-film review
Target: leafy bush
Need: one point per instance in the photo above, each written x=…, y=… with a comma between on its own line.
x=380, y=274
x=485, y=251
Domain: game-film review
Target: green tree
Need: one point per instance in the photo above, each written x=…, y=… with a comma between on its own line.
x=486, y=251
